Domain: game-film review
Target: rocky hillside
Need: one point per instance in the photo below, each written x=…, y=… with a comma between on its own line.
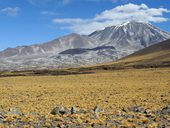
x=76, y=50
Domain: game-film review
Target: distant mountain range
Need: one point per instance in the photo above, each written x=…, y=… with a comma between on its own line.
x=76, y=50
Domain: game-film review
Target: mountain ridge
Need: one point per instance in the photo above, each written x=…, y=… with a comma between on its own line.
x=126, y=39
x=156, y=55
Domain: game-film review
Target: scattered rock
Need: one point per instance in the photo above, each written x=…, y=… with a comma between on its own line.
x=96, y=111
x=125, y=109
x=147, y=112
x=73, y=110
x=67, y=110
x=126, y=116
x=137, y=109
x=62, y=111
x=84, y=111
x=166, y=110
x=66, y=118
x=15, y=112
x=58, y=110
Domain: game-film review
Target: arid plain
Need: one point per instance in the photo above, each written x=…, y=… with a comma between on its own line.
x=112, y=91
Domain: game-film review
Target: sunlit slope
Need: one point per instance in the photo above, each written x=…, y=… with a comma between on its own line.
x=158, y=54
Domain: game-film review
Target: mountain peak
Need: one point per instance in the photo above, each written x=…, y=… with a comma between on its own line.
x=141, y=30
x=124, y=24
x=133, y=23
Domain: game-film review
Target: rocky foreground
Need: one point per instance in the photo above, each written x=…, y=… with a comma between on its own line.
x=75, y=117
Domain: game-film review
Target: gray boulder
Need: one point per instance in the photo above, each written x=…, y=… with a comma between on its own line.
x=59, y=110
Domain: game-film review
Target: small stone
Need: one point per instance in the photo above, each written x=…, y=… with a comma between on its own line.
x=15, y=112
x=62, y=111
x=73, y=110
x=126, y=116
x=97, y=109
x=125, y=110
x=147, y=112
x=58, y=110
x=166, y=110
x=1, y=116
x=67, y=111
x=83, y=111
x=137, y=109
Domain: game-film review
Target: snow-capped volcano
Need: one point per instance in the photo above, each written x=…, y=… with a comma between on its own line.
x=100, y=46
x=130, y=36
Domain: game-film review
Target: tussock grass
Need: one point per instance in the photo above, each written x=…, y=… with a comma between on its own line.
x=109, y=89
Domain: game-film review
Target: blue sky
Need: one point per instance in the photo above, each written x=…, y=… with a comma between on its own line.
x=25, y=22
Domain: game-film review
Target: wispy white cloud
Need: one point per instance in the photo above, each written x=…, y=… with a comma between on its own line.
x=10, y=11
x=117, y=15
x=65, y=2
x=69, y=20
x=46, y=2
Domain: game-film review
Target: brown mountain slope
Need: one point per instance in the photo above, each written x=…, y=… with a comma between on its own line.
x=155, y=55
x=163, y=46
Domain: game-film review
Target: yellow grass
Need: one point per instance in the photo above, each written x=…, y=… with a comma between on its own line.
x=111, y=89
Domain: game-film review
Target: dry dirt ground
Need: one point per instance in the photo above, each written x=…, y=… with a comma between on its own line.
x=29, y=100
